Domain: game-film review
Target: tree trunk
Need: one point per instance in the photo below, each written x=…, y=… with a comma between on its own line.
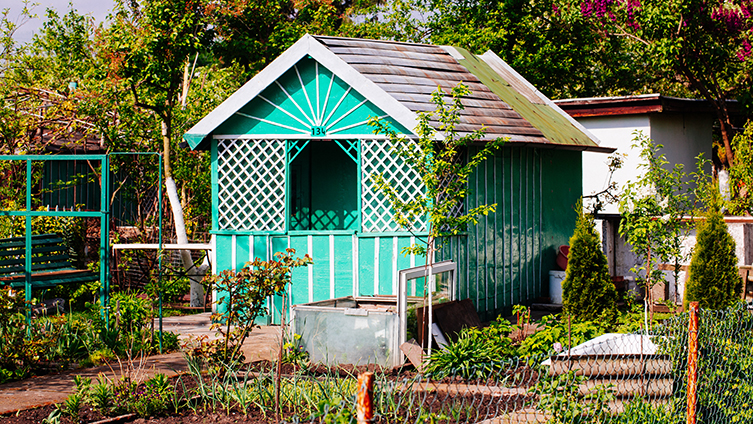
x=195, y=274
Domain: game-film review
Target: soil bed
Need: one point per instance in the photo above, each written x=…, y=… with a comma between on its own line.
x=449, y=399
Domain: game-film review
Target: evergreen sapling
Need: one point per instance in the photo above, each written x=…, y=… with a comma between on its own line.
x=588, y=293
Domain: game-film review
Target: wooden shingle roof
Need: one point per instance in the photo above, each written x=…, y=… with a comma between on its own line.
x=401, y=77
x=412, y=72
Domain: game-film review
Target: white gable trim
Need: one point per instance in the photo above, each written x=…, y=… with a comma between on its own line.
x=495, y=61
x=307, y=45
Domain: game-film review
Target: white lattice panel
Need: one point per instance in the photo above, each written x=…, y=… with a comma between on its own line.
x=376, y=211
x=251, y=184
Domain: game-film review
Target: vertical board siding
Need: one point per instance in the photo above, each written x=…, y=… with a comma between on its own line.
x=502, y=266
x=366, y=265
x=502, y=261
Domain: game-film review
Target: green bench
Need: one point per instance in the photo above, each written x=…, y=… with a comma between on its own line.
x=50, y=263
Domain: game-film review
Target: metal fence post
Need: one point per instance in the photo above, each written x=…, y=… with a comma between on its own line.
x=364, y=401
x=692, y=362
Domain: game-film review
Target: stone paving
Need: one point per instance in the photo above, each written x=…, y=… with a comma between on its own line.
x=262, y=343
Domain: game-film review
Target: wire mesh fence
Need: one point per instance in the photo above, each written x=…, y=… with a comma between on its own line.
x=676, y=374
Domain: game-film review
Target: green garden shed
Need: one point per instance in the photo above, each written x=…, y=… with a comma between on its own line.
x=292, y=153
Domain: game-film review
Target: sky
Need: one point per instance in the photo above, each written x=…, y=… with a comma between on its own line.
x=98, y=9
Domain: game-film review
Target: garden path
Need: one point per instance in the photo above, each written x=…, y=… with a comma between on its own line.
x=53, y=388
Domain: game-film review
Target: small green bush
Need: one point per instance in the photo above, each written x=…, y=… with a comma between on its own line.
x=714, y=280
x=588, y=293
x=475, y=354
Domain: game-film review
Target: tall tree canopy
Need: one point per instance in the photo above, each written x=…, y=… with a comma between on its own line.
x=569, y=48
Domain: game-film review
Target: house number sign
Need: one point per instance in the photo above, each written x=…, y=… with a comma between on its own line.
x=318, y=131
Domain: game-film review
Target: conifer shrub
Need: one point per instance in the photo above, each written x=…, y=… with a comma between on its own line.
x=588, y=293
x=714, y=279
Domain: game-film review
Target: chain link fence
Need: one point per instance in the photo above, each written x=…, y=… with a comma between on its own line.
x=696, y=367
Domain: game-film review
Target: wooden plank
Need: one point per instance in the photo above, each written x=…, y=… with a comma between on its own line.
x=498, y=130
x=441, y=56
x=496, y=120
x=426, y=95
x=430, y=89
x=413, y=351
x=452, y=77
x=382, y=61
x=386, y=79
x=167, y=246
x=379, y=45
x=468, y=103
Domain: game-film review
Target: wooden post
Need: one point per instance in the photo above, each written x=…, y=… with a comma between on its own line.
x=692, y=363
x=364, y=402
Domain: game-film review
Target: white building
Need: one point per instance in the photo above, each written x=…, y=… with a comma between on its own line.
x=682, y=126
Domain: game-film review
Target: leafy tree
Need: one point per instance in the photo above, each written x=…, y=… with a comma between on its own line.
x=551, y=45
x=741, y=173
x=652, y=209
x=588, y=293
x=439, y=162
x=150, y=46
x=253, y=33
x=714, y=280
x=704, y=45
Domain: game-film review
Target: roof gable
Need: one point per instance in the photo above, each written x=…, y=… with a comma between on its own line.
x=307, y=101
x=371, y=78
x=307, y=47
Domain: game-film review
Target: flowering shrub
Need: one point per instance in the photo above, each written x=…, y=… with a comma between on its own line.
x=294, y=353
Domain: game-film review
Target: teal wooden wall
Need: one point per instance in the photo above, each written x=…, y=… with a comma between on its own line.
x=345, y=264
x=503, y=261
x=506, y=258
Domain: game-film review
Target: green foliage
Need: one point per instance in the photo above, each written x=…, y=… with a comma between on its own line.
x=443, y=172
x=588, y=293
x=72, y=406
x=704, y=45
x=652, y=209
x=242, y=298
x=714, y=280
x=144, y=399
x=329, y=412
x=476, y=354
x=560, y=396
x=741, y=173
x=294, y=353
x=552, y=336
x=130, y=310
x=639, y=411
x=725, y=361
x=550, y=44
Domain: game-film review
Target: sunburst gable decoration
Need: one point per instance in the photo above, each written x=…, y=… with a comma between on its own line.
x=308, y=101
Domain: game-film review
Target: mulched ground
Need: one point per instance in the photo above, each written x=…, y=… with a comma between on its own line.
x=484, y=406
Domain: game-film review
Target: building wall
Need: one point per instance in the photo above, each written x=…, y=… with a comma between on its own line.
x=684, y=136
x=617, y=132
x=505, y=260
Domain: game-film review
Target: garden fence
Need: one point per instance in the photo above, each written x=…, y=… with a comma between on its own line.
x=696, y=367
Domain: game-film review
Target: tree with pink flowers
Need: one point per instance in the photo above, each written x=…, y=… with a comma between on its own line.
x=702, y=44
